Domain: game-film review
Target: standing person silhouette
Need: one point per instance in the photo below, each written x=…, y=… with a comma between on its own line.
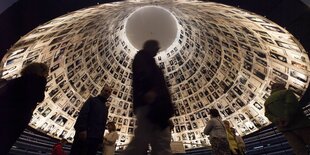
x=90, y=124
x=151, y=104
x=18, y=101
x=282, y=109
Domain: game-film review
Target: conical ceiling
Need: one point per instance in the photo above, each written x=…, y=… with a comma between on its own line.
x=213, y=56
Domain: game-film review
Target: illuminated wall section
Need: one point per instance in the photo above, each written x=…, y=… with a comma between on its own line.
x=221, y=57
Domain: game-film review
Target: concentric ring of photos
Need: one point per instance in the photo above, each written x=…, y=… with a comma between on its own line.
x=223, y=58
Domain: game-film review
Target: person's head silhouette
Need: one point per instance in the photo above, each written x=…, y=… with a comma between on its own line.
x=151, y=46
x=277, y=86
x=35, y=68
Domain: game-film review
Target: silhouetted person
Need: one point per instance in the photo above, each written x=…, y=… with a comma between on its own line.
x=217, y=134
x=18, y=101
x=58, y=148
x=282, y=109
x=151, y=104
x=109, y=140
x=90, y=124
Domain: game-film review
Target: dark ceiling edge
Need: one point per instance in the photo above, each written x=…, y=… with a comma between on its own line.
x=293, y=15
x=25, y=15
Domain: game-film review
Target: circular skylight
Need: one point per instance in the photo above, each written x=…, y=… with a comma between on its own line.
x=151, y=22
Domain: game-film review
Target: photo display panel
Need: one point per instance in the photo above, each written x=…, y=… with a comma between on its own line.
x=221, y=57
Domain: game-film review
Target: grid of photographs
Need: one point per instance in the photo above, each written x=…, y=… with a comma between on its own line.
x=223, y=58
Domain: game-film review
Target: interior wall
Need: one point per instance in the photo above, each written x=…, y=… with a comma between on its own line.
x=34, y=14
x=25, y=15
x=290, y=14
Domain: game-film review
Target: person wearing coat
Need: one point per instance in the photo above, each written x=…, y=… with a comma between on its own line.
x=283, y=109
x=18, y=101
x=235, y=145
x=217, y=134
x=90, y=124
x=152, y=104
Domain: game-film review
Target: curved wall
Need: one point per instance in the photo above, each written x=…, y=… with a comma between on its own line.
x=222, y=57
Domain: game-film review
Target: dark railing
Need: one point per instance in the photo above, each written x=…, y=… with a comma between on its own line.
x=267, y=141
x=33, y=143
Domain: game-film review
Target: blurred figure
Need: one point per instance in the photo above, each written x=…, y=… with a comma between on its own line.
x=18, y=101
x=240, y=142
x=109, y=140
x=217, y=134
x=232, y=139
x=282, y=109
x=90, y=124
x=58, y=147
x=151, y=104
